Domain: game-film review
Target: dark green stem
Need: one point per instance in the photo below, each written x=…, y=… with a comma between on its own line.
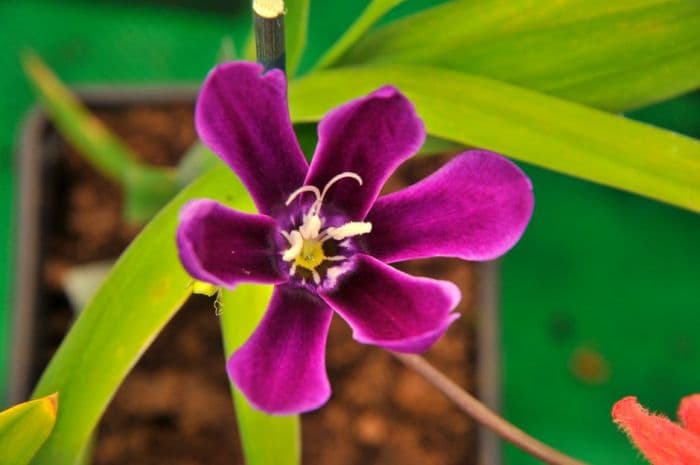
x=268, y=16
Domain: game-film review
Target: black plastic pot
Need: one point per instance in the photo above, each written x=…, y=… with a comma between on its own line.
x=37, y=154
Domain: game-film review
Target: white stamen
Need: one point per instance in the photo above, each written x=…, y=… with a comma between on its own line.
x=296, y=243
x=353, y=228
x=310, y=227
x=310, y=230
x=347, y=174
x=301, y=190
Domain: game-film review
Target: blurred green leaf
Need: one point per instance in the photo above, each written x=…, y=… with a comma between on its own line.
x=296, y=24
x=266, y=439
x=24, y=428
x=227, y=50
x=614, y=55
x=143, y=291
x=146, y=188
x=373, y=13
x=197, y=160
x=546, y=131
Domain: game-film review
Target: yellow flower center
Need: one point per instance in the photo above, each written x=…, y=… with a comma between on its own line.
x=311, y=255
x=306, y=241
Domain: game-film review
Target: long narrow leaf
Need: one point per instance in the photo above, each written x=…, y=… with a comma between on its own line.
x=24, y=428
x=144, y=290
x=546, y=131
x=296, y=24
x=614, y=55
x=373, y=13
x=266, y=439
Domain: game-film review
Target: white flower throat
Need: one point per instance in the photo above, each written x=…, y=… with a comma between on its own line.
x=306, y=242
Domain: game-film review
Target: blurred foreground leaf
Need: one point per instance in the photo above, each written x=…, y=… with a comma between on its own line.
x=143, y=291
x=542, y=130
x=24, y=428
x=266, y=439
x=614, y=55
x=146, y=188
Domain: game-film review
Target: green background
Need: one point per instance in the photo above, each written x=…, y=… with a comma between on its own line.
x=598, y=269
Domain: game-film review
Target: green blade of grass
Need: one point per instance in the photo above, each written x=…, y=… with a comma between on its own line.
x=528, y=126
x=146, y=188
x=256, y=428
x=296, y=24
x=373, y=13
x=143, y=291
x=612, y=55
x=25, y=427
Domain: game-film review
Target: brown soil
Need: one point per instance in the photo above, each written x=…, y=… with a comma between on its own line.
x=175, y=407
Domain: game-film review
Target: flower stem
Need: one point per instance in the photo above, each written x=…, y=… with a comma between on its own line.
x=482, y=414
x=269, y=33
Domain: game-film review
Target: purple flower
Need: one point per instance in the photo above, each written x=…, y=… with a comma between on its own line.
x=324, y=239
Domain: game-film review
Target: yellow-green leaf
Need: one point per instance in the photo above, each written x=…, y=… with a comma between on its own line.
x=615, y=55
x=24, y=428
x=242, y=310
x=143, y=291
x=528, y=126
x=296, y=24
x=374, y=12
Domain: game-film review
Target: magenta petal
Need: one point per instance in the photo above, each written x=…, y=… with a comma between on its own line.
x=476, y=207
x=369, y=136
x=392, y=309
x=242, y=116
x=224, y=247
x=281, y=368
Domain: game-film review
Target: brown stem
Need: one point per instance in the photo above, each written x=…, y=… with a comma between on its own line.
x=482, y=414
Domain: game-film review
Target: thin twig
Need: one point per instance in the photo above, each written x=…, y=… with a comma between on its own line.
x=269, y=33
x=482, y=414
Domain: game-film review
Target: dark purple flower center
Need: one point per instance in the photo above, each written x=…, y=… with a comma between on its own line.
x=315, y=250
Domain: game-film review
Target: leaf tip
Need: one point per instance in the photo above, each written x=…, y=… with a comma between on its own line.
x=52, y=403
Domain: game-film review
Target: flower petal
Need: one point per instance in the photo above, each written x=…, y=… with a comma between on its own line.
x=391, y=309
x=242, y=116
x=281, y=368
x=224, y=247
x=369, y=136
x=475, y=207
x=689, y=413
x=660, y=440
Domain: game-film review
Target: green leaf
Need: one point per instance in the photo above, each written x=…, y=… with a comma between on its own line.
x=266, y=439
x=373, y=13
x=144, y=290
x=146, y=188
x=196, y=161
x=296, y=23
x=614, y=55
x=25, y=427
x=546, y=131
